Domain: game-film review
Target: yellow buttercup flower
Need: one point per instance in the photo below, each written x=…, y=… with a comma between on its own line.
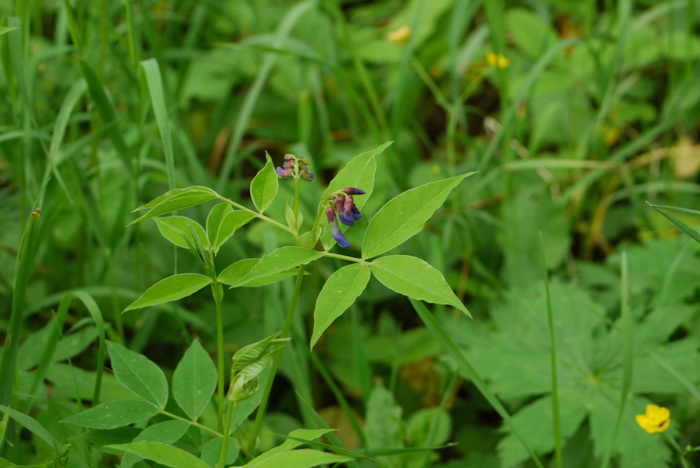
x=656, y=419
x=497, y=60
x=401, y=35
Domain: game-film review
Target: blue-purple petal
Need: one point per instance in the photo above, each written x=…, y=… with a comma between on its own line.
x=338, y=235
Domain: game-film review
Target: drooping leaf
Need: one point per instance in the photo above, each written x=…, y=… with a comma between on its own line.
x=113, y=414
x=169, y=289
x=415, y=278
x=168, y=455
x=338, y=293
x=404, y=216
x=175, y=228
x=139, y=374
x=194, y=380
x=264, y=185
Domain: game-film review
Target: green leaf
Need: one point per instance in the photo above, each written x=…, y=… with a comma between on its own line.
x=680, y=224
x=279, y=261
x=175, y=228
x=169, y=289
x=533, y=35
x=31, y=424
x=139, y=374
x=234, y=273
x=5, y=30
x=113, y=414
x=4, y=463
x=264, y=185
x=302, y=458
x=167, y=432
x=174, y=200
x=249, y=362
x=194, y=380
x=212, y=450
x=223, y=222
x=384, y=424
x=415, y=278
x=167, y=455
x=338, y=293
x=428, y=426
x=404, y=216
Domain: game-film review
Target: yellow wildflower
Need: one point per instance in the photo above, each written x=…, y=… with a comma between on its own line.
x=401, y=35
x=656, y=419
x=497, y=60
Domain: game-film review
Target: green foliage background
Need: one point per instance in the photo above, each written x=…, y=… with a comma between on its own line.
x=108, y=104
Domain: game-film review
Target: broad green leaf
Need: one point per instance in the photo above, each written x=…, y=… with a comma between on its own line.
x=212, y=450
x=177, y=192
x=404, y=216
x=359, y=173
x=415, y=278
x=175, y=228
x=169, y=289
x=214, y=219
x=338, y=293
x=4, y=463
x=113, y=414
x=234, y=273
x=249, y=362
x=264, y=185
x=302, y=458
x=280, y=260
x=184, y=199
x=167, y=455
x=139, y=374
x=533, y=35
x=167, y=432
x=31, y=424
x=428, y=426
x=194, y=380
x=385, y=427
x=229, y=224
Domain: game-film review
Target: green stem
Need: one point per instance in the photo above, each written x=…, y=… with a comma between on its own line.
x=681, y=454
x=276, y=362
x=258, y=215
x=227, y=432
x=189, y=421
x=345, y=257
x=218, y=292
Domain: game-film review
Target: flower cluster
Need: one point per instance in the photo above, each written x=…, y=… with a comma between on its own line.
x=497, y=60
x=342, y=204
x=656, y=419
x=294, y=167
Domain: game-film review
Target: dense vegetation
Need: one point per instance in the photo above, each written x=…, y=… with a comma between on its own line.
x=530, y=164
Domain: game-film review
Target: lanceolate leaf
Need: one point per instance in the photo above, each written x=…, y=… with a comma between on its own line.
x=175, y=228
x=231, y=222
x=280, y=260
x=264, y=186
x=113, y=414
x=234, y=274
x=194, y=380
x=174, y=193
x=338, y=293
x=415, y=278
x=167, y=455
x=404, y=216
x=302, y=458
x=169, y=289
x=174, y=200
x=139, y=374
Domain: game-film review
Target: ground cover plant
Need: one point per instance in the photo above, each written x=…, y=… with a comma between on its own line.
x=348, y=233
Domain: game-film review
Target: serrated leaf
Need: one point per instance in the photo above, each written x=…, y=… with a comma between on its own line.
x=415, y=278
x=175, y=228
x=113, y=414
x=139, y=374
x=169, y=289
x=184, y=199
x=338, y=293
x=167, y=455
x=194, y=380
x=279, y=261
x=302, y=458
x=264, y=185
x=404, y=216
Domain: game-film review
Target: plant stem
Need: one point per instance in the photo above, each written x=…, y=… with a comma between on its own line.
x=218, y=292
x=276, y=362
x=258, y=215
x=189, y=421
x=227, y=431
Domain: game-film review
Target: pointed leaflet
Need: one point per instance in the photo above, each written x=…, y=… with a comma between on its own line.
x=302, y=458
x=264, y=186
x=175, y=193
x=194, y=381
x=113, y=414
x=234, y=274
x=415, y=278
x=174, y=200
x=139, y=374
x=279, y=260
x=167, y=432
x=359, y=173
x=404, y=216
x=167, y=455
x=338, y=293
x=175, y=228
x=169, y=289
x=222, y=222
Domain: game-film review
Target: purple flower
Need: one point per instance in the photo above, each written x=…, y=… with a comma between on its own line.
x=294, y=167
x=284, y=173
x=336, y=232
x=353, y=191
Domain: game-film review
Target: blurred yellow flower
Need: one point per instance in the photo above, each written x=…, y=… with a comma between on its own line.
x=656, y=419
x=401, y=35
x=497, y=60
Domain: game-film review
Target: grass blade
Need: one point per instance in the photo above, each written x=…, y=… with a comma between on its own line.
x=680, y=224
